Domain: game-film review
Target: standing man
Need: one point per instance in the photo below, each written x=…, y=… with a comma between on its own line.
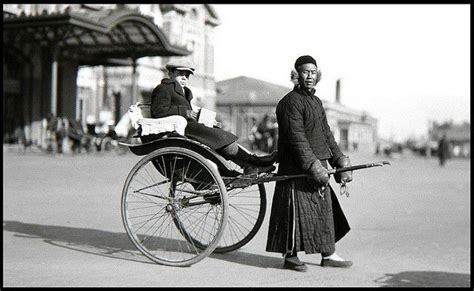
x=306, y=215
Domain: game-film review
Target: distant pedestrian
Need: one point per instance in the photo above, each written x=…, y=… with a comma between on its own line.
x=443, y=150
x=20, y=137
x=306, y=215
x=254, y=136
x=264, y=128
x=60, y=132
x=75, y=133
x=274, y=133
x=50, y=122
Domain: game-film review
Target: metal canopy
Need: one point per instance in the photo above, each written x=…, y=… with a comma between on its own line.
x=91, y=37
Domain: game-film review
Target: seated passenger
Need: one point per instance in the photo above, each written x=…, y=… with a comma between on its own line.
x=172, y=97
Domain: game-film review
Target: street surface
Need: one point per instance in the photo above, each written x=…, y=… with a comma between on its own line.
x=62, y=227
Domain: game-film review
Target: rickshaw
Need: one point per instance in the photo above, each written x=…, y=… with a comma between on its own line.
x=182, y=201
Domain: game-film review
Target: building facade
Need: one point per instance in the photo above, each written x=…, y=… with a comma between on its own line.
x=458, y=137
x=241, y=100
x=91, y=62
x=354, y=130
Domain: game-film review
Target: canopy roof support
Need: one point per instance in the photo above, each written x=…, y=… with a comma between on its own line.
x=91, y=37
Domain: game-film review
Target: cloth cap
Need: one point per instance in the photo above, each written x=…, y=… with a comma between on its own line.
x=305, y=60
x=180, y=65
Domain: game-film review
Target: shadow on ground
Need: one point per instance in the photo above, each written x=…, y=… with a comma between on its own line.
x=113, y=244
x=425, y=279
x=250, y=259
x=91, y=241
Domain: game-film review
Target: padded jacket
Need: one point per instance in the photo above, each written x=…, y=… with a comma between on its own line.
x=304, y=133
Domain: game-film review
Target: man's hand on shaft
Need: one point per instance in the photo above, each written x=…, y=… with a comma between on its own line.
x=346, y=177
x=319, y=173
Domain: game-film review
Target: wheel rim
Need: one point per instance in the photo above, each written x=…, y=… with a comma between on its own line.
x=247, y=208
x=174, y=207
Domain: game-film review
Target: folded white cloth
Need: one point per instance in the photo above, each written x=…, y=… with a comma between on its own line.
x=166, y=124
x=156, y=125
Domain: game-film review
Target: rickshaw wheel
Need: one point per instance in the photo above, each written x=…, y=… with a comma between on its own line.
x=247, y=207
x=174, y=206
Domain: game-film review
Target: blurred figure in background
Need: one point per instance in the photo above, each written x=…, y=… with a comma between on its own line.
x=60, y=133
x=443, y=150
x=50, y=125
x=254, y=136
x=264, y=129
x=273, y=133
x=19, y=136
x=75, y=134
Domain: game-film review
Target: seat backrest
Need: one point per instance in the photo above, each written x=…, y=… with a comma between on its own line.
x=146, y=109
x=138, y=111
x=135, y=114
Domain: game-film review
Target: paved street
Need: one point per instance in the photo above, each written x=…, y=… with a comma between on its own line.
x=62, y=227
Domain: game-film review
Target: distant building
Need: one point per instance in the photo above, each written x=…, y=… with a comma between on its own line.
x=190, y=26
x=457, y=135
x=242, y=98
x=352, y=129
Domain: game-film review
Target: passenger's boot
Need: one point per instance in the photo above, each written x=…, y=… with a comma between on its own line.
x=266, y=160
x=256, y=170
x=250, y=163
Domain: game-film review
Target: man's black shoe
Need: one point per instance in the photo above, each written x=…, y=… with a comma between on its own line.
x=294, y=263
x=335, y=264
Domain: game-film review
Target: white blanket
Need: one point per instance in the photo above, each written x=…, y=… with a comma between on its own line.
x=156, y=125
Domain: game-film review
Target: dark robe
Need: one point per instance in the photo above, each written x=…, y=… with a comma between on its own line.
x=300, y=218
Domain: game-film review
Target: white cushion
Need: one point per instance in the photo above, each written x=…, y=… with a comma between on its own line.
x=156, y=125
x=166, y=124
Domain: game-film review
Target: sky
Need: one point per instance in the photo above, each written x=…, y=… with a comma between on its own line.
x=405, y=65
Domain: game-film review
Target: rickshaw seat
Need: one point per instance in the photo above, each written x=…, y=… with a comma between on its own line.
x=156, y=133
x=173, y=139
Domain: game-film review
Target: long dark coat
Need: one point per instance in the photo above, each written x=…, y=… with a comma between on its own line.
x=300, y=218
x=168, y=98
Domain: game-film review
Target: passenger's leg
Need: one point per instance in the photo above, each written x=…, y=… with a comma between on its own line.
x=248, y=161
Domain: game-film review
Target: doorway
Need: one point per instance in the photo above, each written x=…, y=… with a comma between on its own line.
x=344, y=139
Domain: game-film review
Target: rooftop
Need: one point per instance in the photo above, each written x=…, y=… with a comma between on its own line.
x=249, y=91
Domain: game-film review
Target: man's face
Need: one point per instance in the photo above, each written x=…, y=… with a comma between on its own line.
x=307, y=75
x=181, y=76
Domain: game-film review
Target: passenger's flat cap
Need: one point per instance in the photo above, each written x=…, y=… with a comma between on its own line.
x=183, y=65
